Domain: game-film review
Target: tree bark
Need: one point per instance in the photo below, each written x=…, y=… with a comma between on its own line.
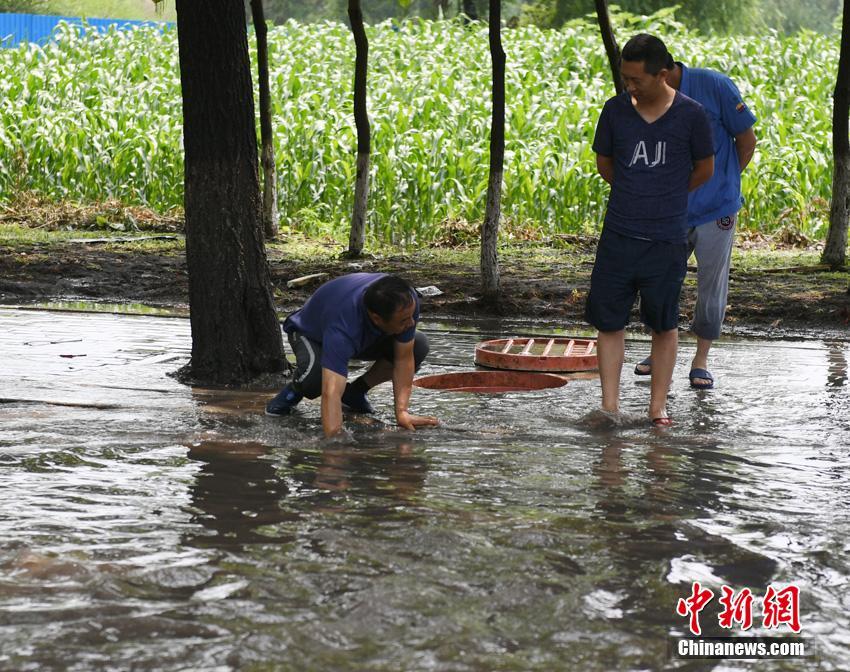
x=235, y=332
x=835, y=250
x=270, y=223
x=610, y=42
x=357, y=238
x=490, y=281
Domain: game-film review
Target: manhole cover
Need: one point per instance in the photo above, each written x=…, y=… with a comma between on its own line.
x=490, y=381
x=538, y=354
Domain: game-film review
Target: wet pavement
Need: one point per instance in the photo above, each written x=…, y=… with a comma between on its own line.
x=145, y=525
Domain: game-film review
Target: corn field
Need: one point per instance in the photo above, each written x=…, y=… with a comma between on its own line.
x=95, y=118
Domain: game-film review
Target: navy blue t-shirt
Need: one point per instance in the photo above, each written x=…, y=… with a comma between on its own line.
x=652, y=165
x=336, y=317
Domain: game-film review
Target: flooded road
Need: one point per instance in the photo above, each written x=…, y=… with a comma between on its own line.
x=148, y=526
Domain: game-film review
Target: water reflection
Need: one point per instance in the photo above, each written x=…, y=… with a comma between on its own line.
x=393, y=472
x=649, y=494
x=837, y=358
x=236, y=492
x=244, y=494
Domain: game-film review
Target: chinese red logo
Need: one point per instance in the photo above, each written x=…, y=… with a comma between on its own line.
x=782, y=607
x=779, y=607
x=694, y=604
x=736, y=609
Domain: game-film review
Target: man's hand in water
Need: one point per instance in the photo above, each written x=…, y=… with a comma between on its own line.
x=410, y=421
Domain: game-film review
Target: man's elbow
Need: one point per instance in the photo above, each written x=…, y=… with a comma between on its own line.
x=706, y=170
x=746, y=151
x=746, y=141
x=605, y=168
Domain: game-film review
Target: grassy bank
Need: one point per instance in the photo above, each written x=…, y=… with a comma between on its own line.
x=776, y=289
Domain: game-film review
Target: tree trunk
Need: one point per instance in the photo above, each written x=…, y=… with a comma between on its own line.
x=270, y=224
x=610, y=42
x=469, y=10
x=559, y=13
x=835, y=250
x=357, y=238
x=235, y=332
x=490, y=285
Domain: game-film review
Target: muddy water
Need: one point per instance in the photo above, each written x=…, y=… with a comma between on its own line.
x=146, y=526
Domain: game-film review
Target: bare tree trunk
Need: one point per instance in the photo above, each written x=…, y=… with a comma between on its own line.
x=357, y=238
x=235, y=332
x=467, y=8
x=266, y=140
x=835, y=250
x=563, y=11
x=490, y=285
x=610, y=42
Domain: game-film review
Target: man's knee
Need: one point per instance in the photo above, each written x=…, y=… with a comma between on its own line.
x=420, y=349
x=307, y=377
x=666, y=334
x=311, y=384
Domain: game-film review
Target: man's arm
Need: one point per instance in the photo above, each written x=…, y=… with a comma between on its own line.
x=333, y=385
x=745, y=146
x=605, y=166
x=702, y=172
x=404, y=367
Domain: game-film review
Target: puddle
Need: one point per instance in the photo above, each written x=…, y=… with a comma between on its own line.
x=149, y=526
x=108, y=308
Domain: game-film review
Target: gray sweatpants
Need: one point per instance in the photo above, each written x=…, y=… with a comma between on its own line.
x=711, y=244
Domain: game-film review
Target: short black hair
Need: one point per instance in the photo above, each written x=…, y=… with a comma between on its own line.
x=649, y=49
x=387, y=295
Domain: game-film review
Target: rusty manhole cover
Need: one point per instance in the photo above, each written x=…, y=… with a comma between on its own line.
x=490, y=381
x=561, y=355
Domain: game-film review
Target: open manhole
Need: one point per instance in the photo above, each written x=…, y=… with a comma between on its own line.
x=491, y=382
x=538, y=354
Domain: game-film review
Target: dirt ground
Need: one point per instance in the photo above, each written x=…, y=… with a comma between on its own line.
x=537, y=283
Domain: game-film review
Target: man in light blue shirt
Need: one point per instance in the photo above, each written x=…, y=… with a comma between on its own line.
x=712, y=209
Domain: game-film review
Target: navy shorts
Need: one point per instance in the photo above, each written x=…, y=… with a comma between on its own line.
x=626, y=267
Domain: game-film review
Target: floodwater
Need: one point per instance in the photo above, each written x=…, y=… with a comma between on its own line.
x=148, y=526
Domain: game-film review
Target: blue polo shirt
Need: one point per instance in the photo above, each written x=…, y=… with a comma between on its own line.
x=336, y=318
x=729, y=116
x=652, y=166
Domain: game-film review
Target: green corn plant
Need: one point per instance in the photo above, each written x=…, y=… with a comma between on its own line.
x=90, y=118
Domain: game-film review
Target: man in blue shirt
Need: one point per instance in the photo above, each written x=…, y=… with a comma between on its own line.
x=713, y=209
x=653, y=146
x=371, y=316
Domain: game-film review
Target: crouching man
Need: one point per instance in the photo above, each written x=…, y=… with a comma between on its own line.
x=368, y=316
